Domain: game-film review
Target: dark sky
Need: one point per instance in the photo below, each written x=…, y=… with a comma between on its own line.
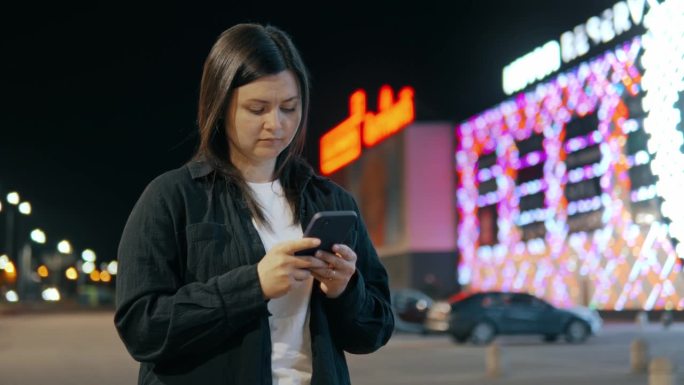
x=98, y=101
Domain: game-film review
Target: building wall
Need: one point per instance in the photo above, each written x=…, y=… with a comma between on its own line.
x=405, y=190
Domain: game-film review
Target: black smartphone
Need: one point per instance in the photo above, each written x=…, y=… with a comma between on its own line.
x=330, y=227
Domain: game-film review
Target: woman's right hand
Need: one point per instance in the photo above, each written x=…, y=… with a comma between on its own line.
x=279, y=269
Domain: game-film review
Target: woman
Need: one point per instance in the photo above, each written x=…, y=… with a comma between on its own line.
x=209, y=291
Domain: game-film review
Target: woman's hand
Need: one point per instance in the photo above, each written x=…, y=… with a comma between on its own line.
x=335, y=275
x=279, y=269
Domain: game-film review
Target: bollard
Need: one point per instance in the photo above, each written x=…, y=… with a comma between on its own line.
x=639, y=356
x=661, y=372
x=493, y=360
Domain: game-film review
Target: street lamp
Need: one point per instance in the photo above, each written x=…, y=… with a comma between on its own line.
x=13, y=198
x=113, y=267
x=71, y=273
x=88, y=267
x=88, y=255
x=64, y=247
x=25, y=208
x=12, y=227
x=38, y=236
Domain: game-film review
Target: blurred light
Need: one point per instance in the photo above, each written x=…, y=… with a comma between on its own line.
x=342, y=144
x=667, y=267
x=88, y=255
x=4, y=260
x=392, y=116
x=0, y=206
x=25, y=208
x=584, y=91
x=88, y=267
x=11, y=296
x=644, y=218
x=38, y=236
x=641, y=157
x=113, y=267
x=629, y=126
x=71, y=273
x=51, y=294
x=465, y=274
x=95, y=275
x=43, y=271
x=680, y=250
x=64, y=247
x=10, y=272
x=13, y=198
x=662, y=80
x=105, y=277
x=533, y=66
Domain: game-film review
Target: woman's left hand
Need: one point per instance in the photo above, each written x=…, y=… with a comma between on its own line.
x=341, y=267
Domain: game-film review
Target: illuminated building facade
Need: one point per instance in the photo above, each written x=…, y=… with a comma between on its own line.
x=570, y=189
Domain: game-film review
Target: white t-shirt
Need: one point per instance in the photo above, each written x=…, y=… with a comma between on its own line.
x=289, y=322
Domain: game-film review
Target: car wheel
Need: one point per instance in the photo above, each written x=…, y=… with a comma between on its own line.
x=550, y=337
x=576, y=331
x=482, y=333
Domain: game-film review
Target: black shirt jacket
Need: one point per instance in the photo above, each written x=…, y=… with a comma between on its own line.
x=189, y=306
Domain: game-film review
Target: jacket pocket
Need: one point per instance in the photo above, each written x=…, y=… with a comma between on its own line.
x=207, y=243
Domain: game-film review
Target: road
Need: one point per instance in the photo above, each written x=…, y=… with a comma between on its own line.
x=83, y=348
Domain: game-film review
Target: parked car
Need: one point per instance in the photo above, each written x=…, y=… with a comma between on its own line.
x=480, y=317
x=410, y=310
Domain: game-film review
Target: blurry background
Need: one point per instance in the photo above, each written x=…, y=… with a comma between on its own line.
x=98, y=100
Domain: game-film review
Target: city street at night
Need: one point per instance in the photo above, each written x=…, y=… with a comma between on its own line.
x=254, y=192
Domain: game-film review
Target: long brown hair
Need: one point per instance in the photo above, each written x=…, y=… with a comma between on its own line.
x=242, y=54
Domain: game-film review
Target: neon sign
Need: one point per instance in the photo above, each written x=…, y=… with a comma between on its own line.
x=545, y=60
x=391, y=116
x=342, y=144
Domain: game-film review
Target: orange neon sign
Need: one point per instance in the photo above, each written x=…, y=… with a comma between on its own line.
x=391, y=116
x=342, y=144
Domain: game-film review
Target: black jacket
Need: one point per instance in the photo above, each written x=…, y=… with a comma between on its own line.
x=189, y=305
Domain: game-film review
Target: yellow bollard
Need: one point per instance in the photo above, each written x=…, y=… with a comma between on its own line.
x=639, y=356
x=661, y=372
x=493, y=360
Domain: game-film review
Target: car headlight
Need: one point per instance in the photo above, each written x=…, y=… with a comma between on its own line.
x=421, y=305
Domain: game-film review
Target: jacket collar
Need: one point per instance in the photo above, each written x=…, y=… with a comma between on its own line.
x=200, y=168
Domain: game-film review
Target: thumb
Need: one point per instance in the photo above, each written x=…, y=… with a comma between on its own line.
x=291, y=247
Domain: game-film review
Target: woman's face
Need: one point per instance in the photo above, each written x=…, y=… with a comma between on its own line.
x=262, y=118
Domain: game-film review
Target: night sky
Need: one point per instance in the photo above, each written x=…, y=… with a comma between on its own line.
x=98, y=101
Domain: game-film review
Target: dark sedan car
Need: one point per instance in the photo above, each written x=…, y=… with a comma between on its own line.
x=480, y=317
x=410, y=309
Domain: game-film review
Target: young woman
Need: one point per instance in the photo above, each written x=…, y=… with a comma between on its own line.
x=209, y=290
